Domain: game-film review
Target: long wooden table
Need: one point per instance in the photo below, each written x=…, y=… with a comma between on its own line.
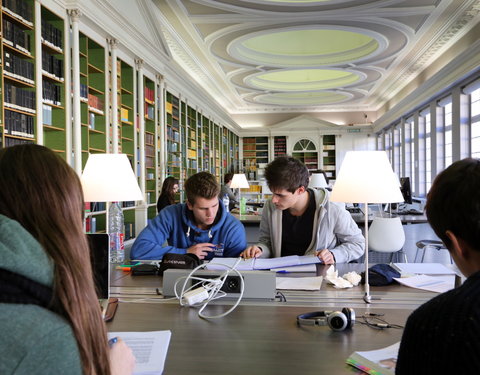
x=262, y=337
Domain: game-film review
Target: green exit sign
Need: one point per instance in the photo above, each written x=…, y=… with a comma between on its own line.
x=353, y=130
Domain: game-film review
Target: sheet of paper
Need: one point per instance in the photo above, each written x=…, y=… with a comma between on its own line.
x=439, y=284
x=424, y=268
x=149, y=348
x=299, y=283
x=221, y=263
x=300, y=268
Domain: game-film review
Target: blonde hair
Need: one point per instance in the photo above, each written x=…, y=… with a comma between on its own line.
x=40, y=191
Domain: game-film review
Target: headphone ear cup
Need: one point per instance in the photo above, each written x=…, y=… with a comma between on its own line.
x=350, y=314
x=337, y=321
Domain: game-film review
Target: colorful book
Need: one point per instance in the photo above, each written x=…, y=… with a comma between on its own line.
x=376, y=362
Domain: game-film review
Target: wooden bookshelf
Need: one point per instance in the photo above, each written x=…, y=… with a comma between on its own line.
x=191, y=141
x=279, y=146
x=18, y=73
x=329, y=156
x=54, y=92
x=255, y=153
x=173, y=137
x=150, y=147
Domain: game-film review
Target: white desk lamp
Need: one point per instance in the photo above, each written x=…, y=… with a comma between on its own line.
x=318, y=181
x=109, y=178
x=239, y=181
x=366, y=177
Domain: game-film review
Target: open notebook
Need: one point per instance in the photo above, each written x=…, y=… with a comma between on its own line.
x=99, y=251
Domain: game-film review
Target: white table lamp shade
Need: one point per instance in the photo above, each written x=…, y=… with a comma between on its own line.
x=109, y=178
x=239, y=181
x=366, y=177
x=318, y=181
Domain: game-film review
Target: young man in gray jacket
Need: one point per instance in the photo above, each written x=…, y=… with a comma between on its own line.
x=300, y=221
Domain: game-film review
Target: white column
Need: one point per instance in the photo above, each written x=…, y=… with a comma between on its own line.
x=75, y=14
x=141, y=211
x=160, y=130
x=38, y=72
x=67, y=89
x=113, y=43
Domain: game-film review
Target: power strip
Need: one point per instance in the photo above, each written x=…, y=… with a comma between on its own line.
x=258, y=284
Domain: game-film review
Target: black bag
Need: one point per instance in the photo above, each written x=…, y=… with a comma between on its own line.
x=179, y=261
x=380, y=274
x=145, y=270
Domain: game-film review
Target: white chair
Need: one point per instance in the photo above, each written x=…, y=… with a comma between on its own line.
x=386, y=235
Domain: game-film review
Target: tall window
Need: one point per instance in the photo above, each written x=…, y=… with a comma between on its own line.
x=475, y=121
x=413, y=158
x=448, y=133
x=428, y=152
x=397, y=149
x=408, y=150
x=388, y=144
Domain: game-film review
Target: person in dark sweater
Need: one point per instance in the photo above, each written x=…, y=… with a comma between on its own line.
x=442, y=336
x=167, y=195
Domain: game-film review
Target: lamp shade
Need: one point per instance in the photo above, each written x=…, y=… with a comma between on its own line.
x=318, y=181
x=239, y=180
x=366, y=177
x=109, y=178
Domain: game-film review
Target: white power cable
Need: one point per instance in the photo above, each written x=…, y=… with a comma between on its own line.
x=206, y=290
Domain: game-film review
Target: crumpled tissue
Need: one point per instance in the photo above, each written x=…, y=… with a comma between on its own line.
x=347, y=281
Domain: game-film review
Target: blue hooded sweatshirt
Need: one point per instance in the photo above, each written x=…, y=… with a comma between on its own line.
x=174, y=224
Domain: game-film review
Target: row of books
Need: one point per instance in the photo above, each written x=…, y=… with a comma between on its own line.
x=52, y=35
x=124, y=114
x=19, y=124
x=19, y=68
x=149, y=138
x=16, y=141
x=149, y=151
x=83, y=91
x=150, y=111
x=149, y=161
x=149, y=94
x=16, y=37
x=95, y=102
x=47, y=113
x=173, y=135
x=19, y=98
x=20, y=8
x=172, y=147
x=51, y=93
x=91, y=120
x=52, y=65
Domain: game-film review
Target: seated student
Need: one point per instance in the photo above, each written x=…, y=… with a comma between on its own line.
x=442, y=336
x=226, y=190
x=50, y=317
x=299, y=221
x=167, y=195
x=194, y=227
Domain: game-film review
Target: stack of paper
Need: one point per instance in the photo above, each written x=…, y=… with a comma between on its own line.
x=262, y=263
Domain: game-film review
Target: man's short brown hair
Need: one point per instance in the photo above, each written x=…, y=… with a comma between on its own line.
x=288, y=173
x=203, y=185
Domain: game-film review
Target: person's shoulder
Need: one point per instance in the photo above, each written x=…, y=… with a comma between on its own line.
x=22, y=335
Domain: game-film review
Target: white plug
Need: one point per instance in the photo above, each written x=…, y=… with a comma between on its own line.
x=195, y=296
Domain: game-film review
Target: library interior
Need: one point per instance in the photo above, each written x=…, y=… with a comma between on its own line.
x=180, y=87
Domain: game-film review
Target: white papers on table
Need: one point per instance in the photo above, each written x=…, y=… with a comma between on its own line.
x=149, y=348
x=262, y=263
x=299, y=283
x=423, y=268
x=381, y=361
x=439, y=284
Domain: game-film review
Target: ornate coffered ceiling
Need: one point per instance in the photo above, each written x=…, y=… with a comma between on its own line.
x=302, y=56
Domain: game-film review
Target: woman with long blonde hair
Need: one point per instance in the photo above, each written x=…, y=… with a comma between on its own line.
x=50, y=317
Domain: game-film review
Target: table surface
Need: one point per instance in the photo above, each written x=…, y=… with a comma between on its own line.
x=262, y=337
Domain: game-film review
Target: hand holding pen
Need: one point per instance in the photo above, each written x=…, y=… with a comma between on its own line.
x=121, y=358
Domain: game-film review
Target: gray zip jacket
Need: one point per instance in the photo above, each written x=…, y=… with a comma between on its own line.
x=336, y=231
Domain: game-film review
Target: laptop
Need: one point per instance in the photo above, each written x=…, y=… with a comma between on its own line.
x=99, y=256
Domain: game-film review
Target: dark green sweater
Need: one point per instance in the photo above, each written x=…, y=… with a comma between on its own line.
x=34, y=340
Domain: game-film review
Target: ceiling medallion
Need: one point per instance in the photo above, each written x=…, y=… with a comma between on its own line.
x=307, y=46
x=302, y=98
x=304, y=79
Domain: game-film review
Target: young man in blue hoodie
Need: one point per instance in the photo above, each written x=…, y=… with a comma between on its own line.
x=200, y=226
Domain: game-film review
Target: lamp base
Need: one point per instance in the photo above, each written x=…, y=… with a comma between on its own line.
x=367, y=298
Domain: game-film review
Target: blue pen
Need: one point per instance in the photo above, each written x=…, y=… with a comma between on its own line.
x=112, y=341
x=282, y=271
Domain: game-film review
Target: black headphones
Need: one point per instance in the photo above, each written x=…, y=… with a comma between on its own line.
x=336, y=320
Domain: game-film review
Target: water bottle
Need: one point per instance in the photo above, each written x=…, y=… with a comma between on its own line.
x=116, y=235
x=226, y=202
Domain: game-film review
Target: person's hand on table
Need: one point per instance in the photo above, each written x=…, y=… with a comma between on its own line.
x=121, y=358
x=201, y=250
x=326, y=256
x=251, y=252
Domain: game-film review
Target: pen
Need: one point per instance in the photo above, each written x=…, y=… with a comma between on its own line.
x=283, y=271
x=112, y=341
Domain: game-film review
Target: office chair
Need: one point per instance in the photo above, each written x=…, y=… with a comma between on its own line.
x=430, y=244
x=386, y=235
